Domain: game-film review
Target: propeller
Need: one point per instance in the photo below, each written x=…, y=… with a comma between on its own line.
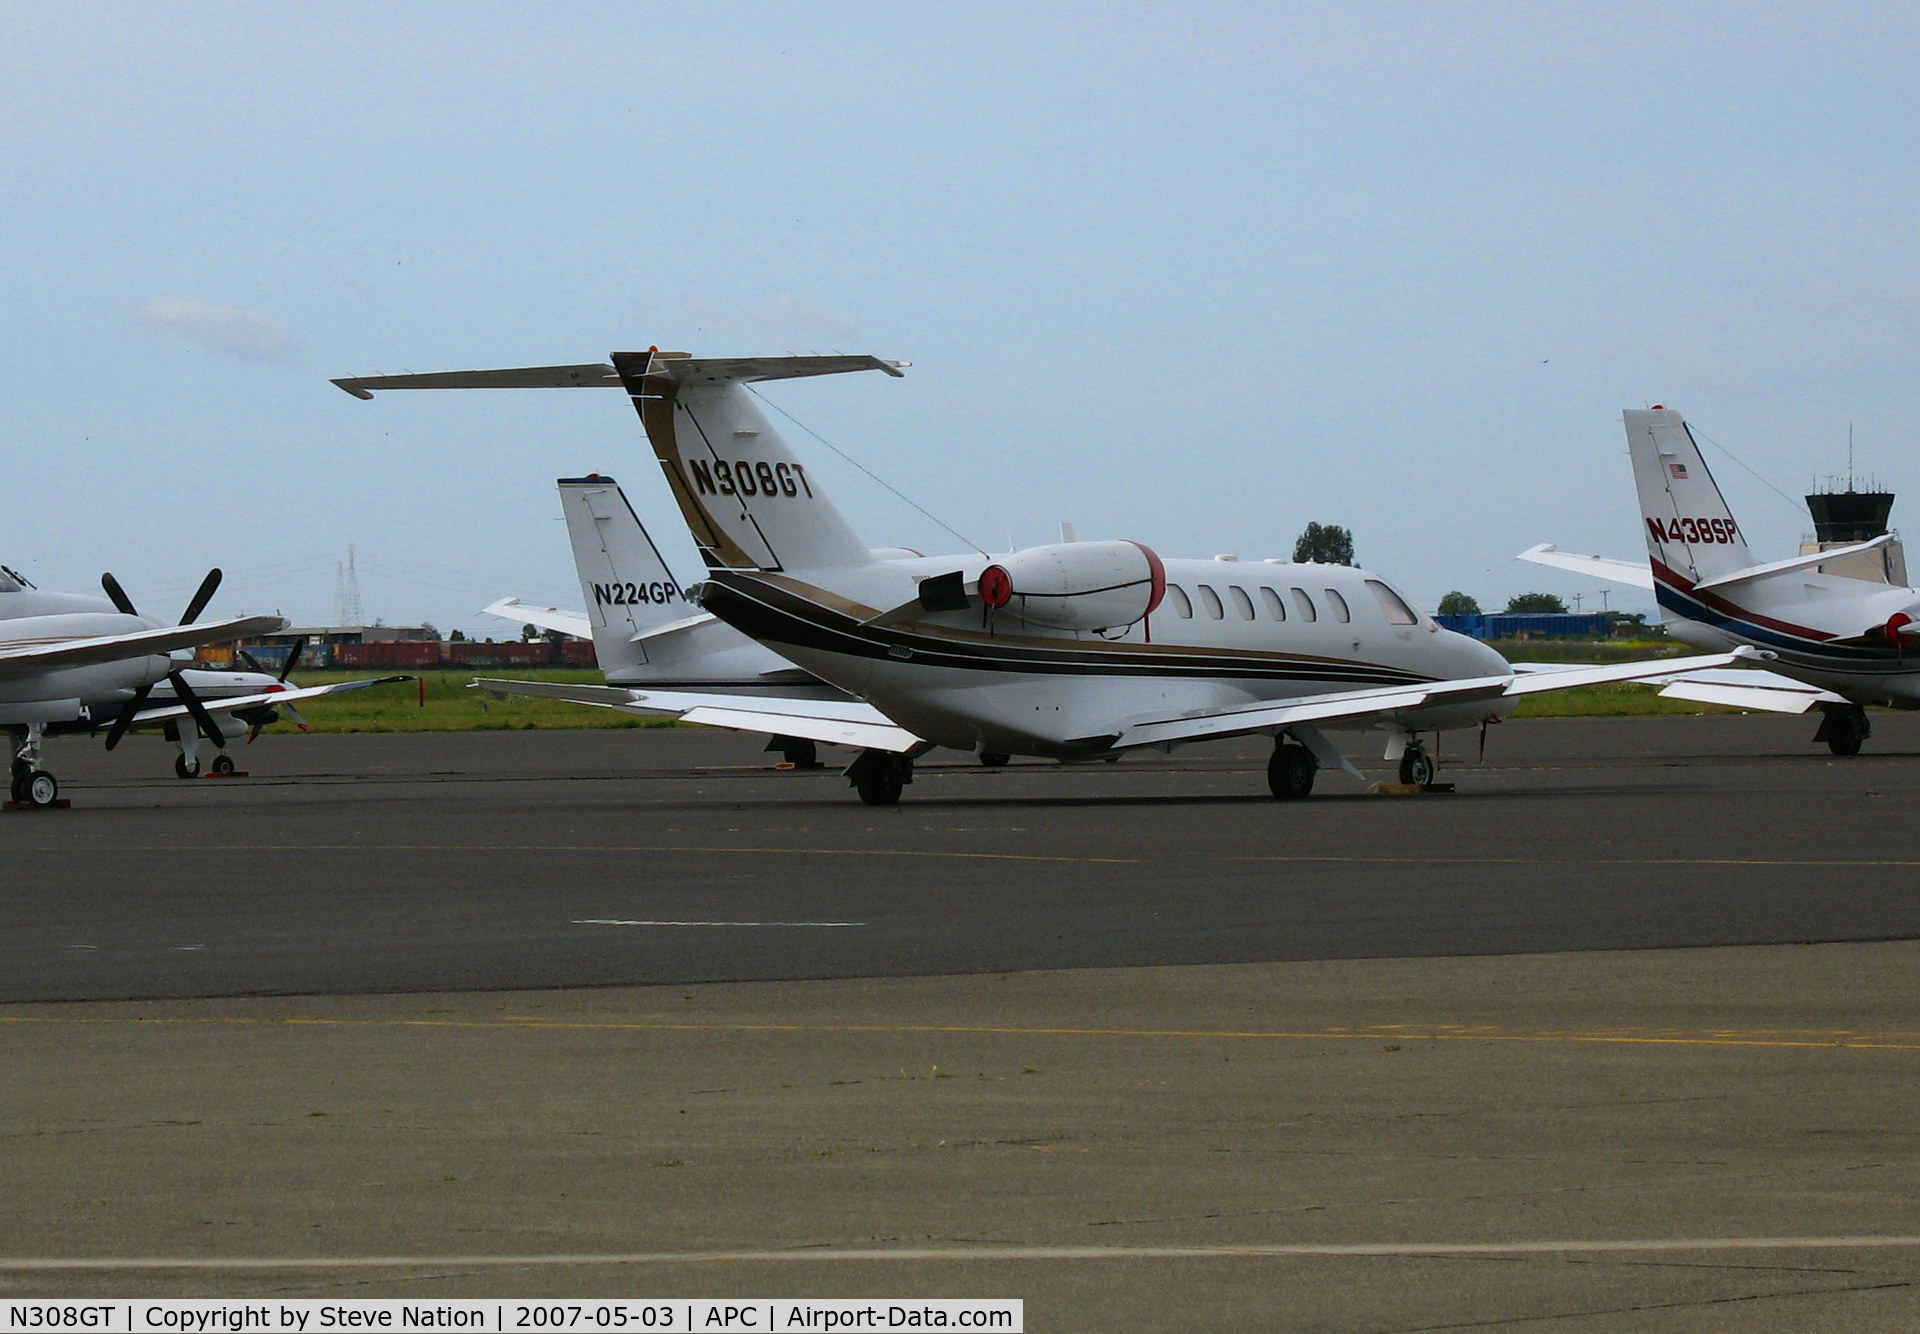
x=195, y=605
x=202, y=596
x=117, y=594
x=208, y=727
x=293, y=656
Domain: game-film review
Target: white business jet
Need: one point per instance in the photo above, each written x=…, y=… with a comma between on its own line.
x=1831, y=642
x=646, y=635
x=1075, y=651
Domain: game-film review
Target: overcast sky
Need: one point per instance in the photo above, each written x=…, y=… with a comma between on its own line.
x=1190, y=274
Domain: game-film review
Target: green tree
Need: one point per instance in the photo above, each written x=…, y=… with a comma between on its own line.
x=1458, y=604
x=529, y=632
x=1329, y=544
x=1536, y=602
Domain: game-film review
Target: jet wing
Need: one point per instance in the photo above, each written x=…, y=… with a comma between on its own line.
x=261, y=699
x=1638, y=574
x=835, y=722
x=21, y=659
x=1367, y=707
x=573, y=623
x=1769, y=692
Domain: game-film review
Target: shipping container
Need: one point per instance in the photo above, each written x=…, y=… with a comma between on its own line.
x=412, y=653
x=1520, y=625
x=539, y=653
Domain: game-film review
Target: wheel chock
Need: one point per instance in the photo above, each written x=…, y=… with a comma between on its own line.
x=1407, y=789
x=58, y=804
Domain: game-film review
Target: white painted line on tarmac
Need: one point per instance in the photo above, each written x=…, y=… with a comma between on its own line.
x=620, y=921
x=921, y=1255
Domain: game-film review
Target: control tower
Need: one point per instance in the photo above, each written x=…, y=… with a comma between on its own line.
x=1842, y=518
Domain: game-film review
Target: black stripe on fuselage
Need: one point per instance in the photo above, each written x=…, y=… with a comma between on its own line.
x=775, y=615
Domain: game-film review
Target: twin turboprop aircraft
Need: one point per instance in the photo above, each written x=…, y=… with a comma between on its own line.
x=1074, y=651
x=71, y=662
x=1832, y=642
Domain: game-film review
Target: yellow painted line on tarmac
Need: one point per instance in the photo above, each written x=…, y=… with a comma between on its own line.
x=924, y=1254
x=1799, y=1039
x=921, y=853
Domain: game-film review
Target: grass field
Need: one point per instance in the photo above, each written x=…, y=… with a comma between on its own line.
x=1614, y=701
x=450, y=706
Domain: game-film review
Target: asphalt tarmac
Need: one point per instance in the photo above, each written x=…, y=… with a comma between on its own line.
x=1133, y=1043
x=479, y=861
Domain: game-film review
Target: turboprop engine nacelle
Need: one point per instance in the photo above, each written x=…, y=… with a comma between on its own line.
x=1077, y=585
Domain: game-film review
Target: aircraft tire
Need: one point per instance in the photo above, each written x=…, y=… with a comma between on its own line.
x=41, y=788
x=881, y=788
x=1416, y=767
x=1845, y=729
x=181, y=769
x=994, y=759
x=17, y=788
x=1290, y=772
x=223, y=764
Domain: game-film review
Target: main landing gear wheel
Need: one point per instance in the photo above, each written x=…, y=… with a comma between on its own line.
x=182, y=769
x=1844, y=729
x=39, y=788
x=994, y=759
x=1416, y=767
x=1290, y=771
x=880, y=776
x=223, y=764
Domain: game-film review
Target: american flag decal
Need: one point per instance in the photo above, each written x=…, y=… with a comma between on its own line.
x=1679, y=471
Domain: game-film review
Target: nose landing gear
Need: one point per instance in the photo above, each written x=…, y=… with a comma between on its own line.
x=31, y=785
x=1416, y=766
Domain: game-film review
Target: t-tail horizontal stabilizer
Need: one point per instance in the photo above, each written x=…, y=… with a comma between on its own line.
x=1634, y=574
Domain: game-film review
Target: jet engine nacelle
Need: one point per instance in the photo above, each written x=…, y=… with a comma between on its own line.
x=1077, y=585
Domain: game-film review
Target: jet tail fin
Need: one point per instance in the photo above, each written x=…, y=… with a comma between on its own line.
x=628, y=588
x=750, y=504
x=1691, y=533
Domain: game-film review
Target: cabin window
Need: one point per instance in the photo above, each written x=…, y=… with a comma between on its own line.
x=1304, y=604
x=1276, y=609
x=1241, y=602
x=1210, y=603
x=1392, y=604
x=1339, y=605
x=1177, y=599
